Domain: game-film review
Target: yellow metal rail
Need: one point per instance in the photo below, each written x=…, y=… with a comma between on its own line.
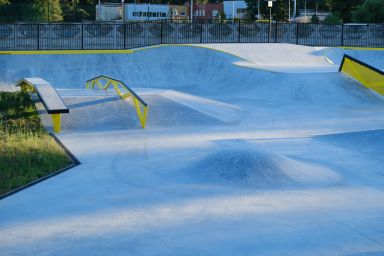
x=104, y=82
x=367, y=75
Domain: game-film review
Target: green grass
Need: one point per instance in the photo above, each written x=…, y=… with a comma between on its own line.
x=27, y=151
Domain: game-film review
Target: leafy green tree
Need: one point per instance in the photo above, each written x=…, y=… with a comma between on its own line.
x=344, y=7
x=315, y=19
x=30, y=11
x=46, y=10
x=333, y=19
x=279, y=9
x=372, y=11
x=4, y=2
x=79, y=10
x=221, y=16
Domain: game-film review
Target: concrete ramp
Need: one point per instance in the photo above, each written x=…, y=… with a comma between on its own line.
x=373, y=57
x=287, y=58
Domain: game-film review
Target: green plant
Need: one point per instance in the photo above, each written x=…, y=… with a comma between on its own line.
x=27, y=151
x=371, y=11
x=315, y=19
x=332, y=19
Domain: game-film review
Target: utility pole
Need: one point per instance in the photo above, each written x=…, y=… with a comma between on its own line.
x=294, y=9
x=305, y=11
x=258, y=9
x=191, y=10
x=289, y=10
x=122, y=5
x=270, y=4
x=233, y=9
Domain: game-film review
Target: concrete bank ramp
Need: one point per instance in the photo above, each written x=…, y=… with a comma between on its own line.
x=176, y=67
x=372, y=57
x=287, y=58
x=184, y=68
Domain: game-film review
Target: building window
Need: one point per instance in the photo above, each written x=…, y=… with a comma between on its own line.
x=182, y=13
x=215, y=13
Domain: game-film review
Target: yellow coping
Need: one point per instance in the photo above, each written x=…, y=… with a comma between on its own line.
x=68, y=52
x=361, y=48
x=366, y=76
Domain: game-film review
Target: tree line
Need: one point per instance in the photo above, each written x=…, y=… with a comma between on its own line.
x=341, y=11
x=47, y=10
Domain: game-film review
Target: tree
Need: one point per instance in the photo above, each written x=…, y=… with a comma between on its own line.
x=344, y=8
x=46, y=10
x=79, y=10
x=279, y=9
x=372, y=11
x=30, y=11
x=4, y=2
x=315, y=19
x=221, y=16
x=332, y=19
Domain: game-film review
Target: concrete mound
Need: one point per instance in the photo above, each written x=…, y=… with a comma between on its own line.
x=258, y=168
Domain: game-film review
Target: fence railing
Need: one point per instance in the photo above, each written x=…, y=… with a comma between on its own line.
x=115, y=36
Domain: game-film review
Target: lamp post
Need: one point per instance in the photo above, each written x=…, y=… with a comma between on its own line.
x=258, y=9
x=191, y=10
x=289, y=10
x=305, y=11
x=270, y=4
x=122, y=5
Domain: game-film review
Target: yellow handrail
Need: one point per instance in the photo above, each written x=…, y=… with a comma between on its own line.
x=104, y=82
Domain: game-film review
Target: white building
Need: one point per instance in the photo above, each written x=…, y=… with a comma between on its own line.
x=146, y=11
x=235, y=9
x=109, y=12
x=114, y=12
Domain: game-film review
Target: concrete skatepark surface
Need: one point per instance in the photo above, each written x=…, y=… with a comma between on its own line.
x=235, y=160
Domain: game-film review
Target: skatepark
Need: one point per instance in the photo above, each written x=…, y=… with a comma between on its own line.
x=248, y=149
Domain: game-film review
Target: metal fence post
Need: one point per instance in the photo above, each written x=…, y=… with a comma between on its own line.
x=82, y=36
x=38, y=36
x=276, y=32
x=201, y=31
x=238, y=31
x=125, y=35
x=342, y=34
x=269, y=31
x=161, y=31
x=297, y=33
x=14, y=37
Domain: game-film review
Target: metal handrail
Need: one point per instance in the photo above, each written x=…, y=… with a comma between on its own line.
x=122, y=83
x=137, y=100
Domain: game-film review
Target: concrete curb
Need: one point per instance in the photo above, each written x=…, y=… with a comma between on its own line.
x=75, y=162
